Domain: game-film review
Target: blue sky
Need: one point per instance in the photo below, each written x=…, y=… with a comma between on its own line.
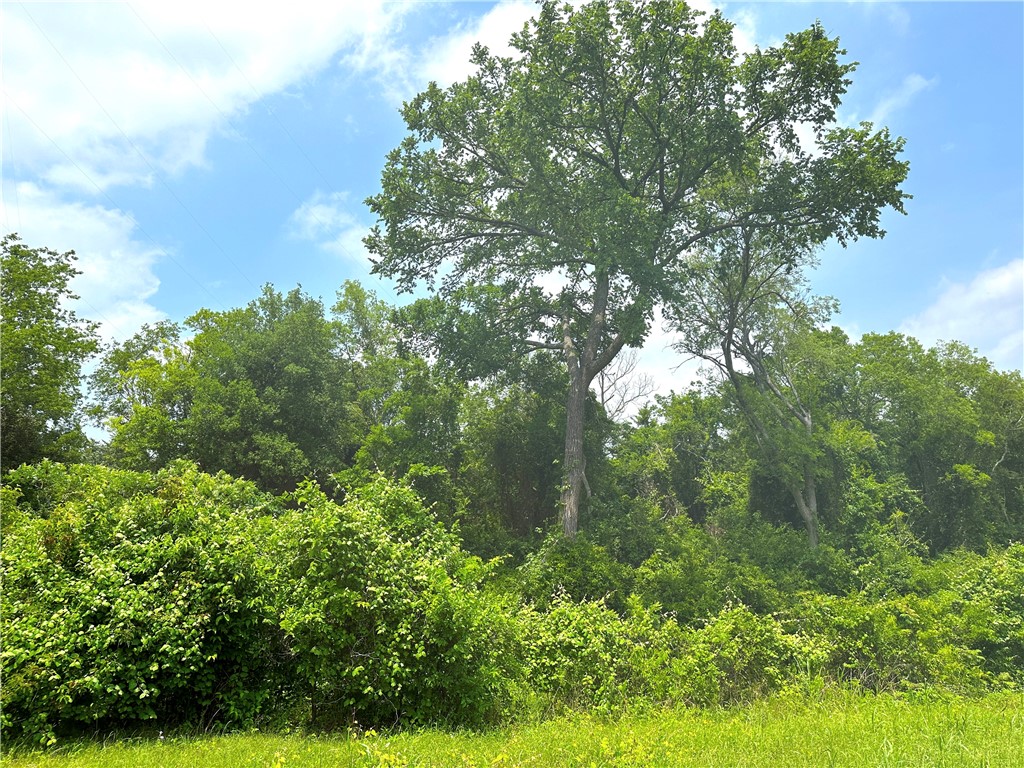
x=192, y=151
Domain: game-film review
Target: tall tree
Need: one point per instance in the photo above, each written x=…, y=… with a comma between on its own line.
x=260, y=392
x=575, y=177
x=743, y=311
x=954, y=427
x=43, y=344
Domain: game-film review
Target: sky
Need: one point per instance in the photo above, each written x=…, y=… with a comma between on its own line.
x=191, y=152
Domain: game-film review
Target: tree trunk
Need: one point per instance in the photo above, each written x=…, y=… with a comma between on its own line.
x=583, y=365
x=806, y=499
x=575, y=466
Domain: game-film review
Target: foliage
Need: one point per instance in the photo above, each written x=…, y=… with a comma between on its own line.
x=621, y=138
x=953, y=427
x=180, y=597
x=130, y=598
x=44, y=344
x=381, y=615
x=258, y=392
x=512, y=440
x=574, y=569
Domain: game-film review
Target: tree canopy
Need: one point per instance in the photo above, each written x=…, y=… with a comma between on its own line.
x=43, y=344
x=257, y=391
x=568, y=184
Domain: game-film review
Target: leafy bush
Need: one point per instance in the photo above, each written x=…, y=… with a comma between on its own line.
x=130, y=597
x=586, y=656
x=901, y=643
x=187, y=598
x=381, y=617
x=749, y=655
x=989, y=612
x=182, y=597
x=575, y=568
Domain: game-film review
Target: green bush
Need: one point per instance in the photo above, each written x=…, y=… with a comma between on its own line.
x=989, y=614
x=901, y=643
x=749, y=655
x=130, y=597
x=585, y=656
x=381, y=617
x=575, y=568
x=186, y=598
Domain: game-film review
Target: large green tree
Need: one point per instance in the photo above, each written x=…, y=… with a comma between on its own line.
x=568, y=184
x=43, y=344
x=954, y=427
x=261, y=392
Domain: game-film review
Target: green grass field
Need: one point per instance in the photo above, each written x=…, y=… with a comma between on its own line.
x=840, y=729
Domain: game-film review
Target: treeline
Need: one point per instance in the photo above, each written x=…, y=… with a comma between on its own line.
x=302, y=516
x=285, y=389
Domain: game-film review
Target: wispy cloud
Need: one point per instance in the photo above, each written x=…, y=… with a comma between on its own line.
x=986, y=313
x=446, y=59
x=117, y=268
x=104, y=95
x=327, y=220
x=896, y=16
x=901, y=98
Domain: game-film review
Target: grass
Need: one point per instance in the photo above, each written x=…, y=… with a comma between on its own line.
x=838, y=729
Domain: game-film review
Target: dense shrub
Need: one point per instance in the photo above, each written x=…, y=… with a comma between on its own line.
x=576, y=568
x=750, y=655
x=901, y=643
x=587, y=656
x=180, y=597
x=957, y=623
x=995, y=588
x=130, y=597
x=381, y=615
x=988, y=614
x=188, y=598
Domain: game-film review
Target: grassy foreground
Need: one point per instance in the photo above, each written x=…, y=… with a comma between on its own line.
x=836, y=730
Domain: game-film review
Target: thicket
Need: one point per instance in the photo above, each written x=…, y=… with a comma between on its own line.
x=179, y=597
x=301, y=520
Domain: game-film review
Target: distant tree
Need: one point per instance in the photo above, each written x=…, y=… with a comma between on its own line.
x=665, y=455
x=43, y=345
x=562, y=189
x=954, y=427
x=261, y=392
x=408, y=407
x=743, y=310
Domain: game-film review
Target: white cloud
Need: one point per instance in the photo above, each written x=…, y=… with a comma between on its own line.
x=111, y=93
x=105, y=94
x=327, y=220
x=446, y=60
x=986, y=313
x=744, y=34
x=897, y=17
x=899, y=99
x=117, y=270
